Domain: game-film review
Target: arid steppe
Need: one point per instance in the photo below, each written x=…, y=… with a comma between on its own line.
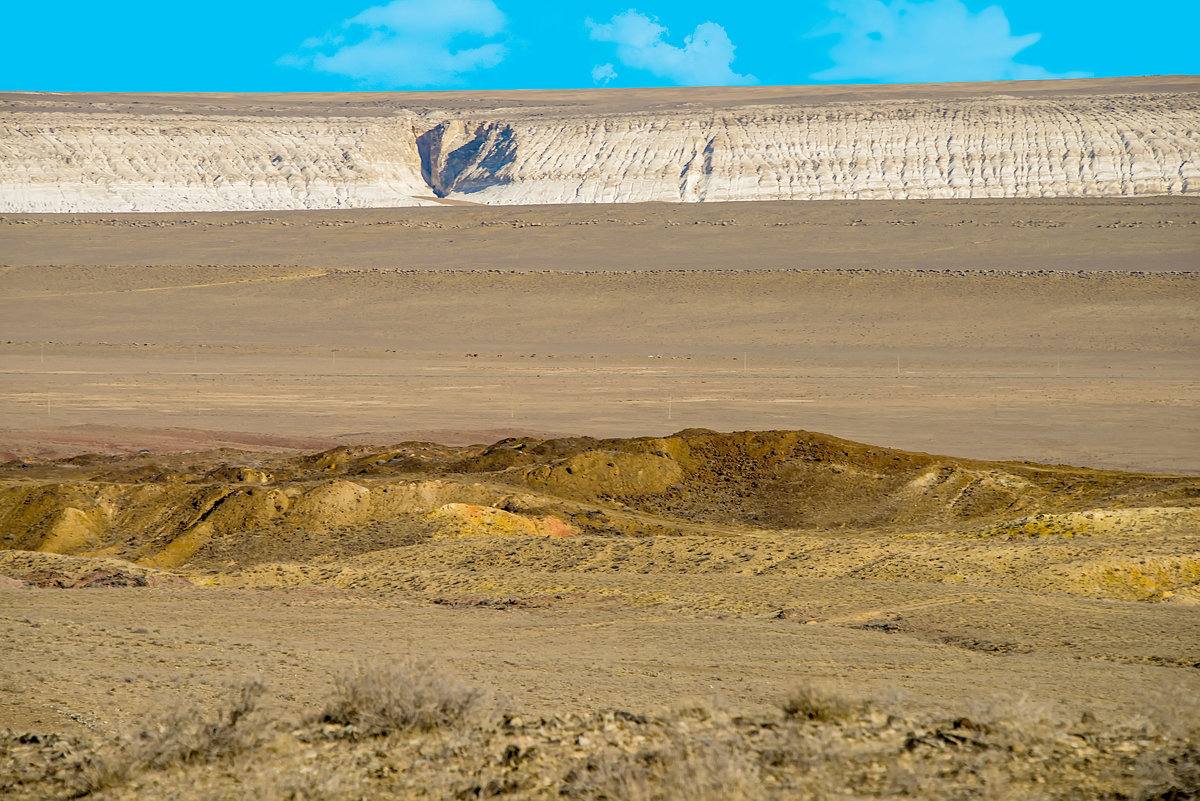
x=829, y=499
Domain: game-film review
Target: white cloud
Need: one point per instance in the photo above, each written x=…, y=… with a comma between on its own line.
x=410, y=43
x=918, y=41
x=603, y=73
x=422, y=18
x=704, y=60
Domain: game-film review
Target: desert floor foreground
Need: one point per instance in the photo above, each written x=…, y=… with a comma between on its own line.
x=972, y=629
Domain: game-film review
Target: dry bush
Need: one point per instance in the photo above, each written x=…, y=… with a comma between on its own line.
x=186, y=735
x=43, y=767
x=312, y=783
x=815, y=702
x=99, y=772
x=377, y=699
x=685, y=769
x=1170, y=775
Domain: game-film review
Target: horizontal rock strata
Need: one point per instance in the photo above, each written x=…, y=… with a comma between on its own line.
x=994, y=147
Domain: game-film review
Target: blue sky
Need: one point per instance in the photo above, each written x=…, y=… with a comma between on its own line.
x=334, y=45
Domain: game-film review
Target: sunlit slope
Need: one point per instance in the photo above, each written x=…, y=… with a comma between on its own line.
x=778, y=502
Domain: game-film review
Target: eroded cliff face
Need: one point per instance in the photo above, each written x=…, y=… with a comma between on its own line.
x=989, y=148
x=1000, y=146
x=105, y=163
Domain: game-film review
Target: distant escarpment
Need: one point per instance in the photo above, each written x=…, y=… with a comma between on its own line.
x=84, y=156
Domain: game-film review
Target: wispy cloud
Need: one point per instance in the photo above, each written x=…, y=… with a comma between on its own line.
x=410, y=43
x=916, y=41
x=603, y=73
x=705, y=59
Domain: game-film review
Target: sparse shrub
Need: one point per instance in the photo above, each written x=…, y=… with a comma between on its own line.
x=1172, y=773
x=311, y=783
x=376, y=699
x=685, y=769
x=813, y=702
x=186, y=735
x=1171, y=776
x=99, y=772
x=41, y=767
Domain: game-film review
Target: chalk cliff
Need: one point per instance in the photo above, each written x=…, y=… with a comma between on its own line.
x=1073, y=145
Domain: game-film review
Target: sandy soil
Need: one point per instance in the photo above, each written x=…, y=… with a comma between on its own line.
x=110, y=656
x=1042, y=711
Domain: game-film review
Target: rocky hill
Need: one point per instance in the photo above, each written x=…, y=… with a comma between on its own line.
x=83, y=153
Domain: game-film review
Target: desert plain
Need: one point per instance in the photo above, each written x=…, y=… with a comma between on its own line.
x=838, y=498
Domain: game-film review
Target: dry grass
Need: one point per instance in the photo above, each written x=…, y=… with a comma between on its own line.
x=816, y=702
x=686, y=768
x=377, y=699
x=186, y=735
x=45, y=767
x=1172, y=775
x=409, y=730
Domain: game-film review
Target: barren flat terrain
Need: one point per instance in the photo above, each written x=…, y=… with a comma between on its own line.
x=563, y=320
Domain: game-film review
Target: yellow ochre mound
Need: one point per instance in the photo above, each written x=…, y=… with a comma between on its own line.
x=837, y=507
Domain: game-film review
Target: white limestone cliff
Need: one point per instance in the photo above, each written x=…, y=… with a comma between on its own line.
x=58, y=163
x=1070, y=146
